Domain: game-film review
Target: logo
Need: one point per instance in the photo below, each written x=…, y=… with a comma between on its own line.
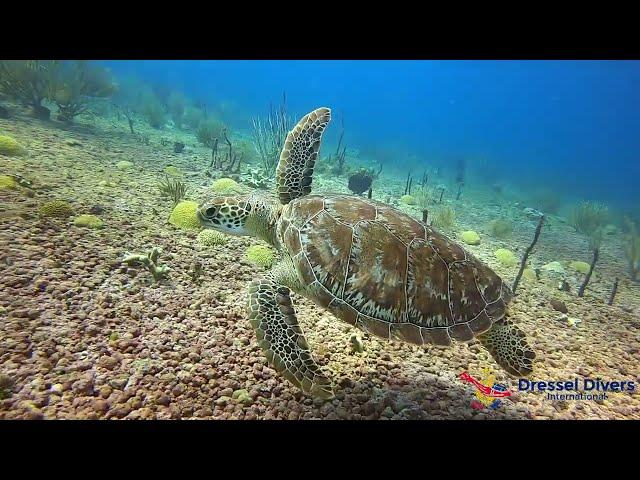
x=488, y=392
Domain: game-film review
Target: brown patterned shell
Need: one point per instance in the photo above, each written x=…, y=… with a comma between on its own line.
x=379, y=269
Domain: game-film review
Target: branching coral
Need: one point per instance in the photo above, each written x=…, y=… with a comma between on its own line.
x=444, y=218
x=150, y=261
x=589, y=218
x=632, y=249
x=177, y=103
x=172, y=188
x=546, y=200
x=269, y=134
x=338, y=159
x=422, y=196
x=228, y=160
x=151, y=108
x=29, y=81
x=192, y=117
x=76, y=83
x=210, y=132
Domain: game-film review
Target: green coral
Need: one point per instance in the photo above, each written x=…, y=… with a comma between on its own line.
x=470, y=237
x=582, y=267
x=11, y=148
x=56, y=209
x=225, y=185
x=260, y=255
x=124, y=165
x=173, y=171
x=7, y=183
x=209, y=130
x=423, y=198
x=90, y=221
x=211, y=238
x=506, y=257
x=150, y=261
x=184, y=215
x=408, y=200
x=632, y=248
x=444, y=218
x=500, y=228
x=589, y=218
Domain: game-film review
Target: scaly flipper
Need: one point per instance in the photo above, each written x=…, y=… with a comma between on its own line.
x=274, y=320
x=298, y=157
x=509, y=348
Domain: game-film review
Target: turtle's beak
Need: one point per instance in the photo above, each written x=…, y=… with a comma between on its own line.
x=201, y=218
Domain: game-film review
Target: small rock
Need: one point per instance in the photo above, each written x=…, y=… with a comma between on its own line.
x=227, y=392
x=532, y=213
x=57, y=388
x=573, y=321
x=118, y=383
x=356, y=344
x=222, y=400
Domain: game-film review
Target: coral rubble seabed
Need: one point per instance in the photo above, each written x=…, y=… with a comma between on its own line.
x=87, y=336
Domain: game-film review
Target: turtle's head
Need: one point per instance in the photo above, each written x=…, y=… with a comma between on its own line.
x=226, y=214
x=249, y=214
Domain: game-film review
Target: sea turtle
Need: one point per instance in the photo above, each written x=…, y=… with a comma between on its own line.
x=369, y=264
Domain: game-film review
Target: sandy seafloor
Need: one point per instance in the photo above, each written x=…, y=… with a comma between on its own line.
x=182, y=349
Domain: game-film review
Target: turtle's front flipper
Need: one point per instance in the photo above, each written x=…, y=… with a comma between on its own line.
x=508, y=346
x=273, y=318
x=298, y=157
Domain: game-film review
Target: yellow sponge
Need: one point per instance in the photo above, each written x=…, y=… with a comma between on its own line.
x=184, y=216
x=506, y=257
x=470, y=237
x=7, y=183
x=260, y=255
x=225, y=185
x=11, y=148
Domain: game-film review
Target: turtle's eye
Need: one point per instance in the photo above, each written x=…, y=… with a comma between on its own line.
x=210, y=212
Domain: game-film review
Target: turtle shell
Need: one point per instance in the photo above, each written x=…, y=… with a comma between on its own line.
x=383, y=271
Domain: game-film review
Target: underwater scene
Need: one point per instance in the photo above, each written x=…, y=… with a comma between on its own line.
x=319, y=239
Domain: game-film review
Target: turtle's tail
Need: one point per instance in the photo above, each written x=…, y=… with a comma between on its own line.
x=509, y=348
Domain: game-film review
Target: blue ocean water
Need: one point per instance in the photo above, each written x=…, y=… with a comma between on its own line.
x=572, y=126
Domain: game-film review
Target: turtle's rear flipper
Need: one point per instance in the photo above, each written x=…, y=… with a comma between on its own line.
x=509, y=348
x=274, y=320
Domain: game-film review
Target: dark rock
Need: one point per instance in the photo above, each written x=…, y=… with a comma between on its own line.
x=558, y=305
x=4, y=113
x=178, y=147
x=360, y=182
x=42, y=113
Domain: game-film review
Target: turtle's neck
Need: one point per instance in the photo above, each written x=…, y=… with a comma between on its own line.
x=262, y=220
